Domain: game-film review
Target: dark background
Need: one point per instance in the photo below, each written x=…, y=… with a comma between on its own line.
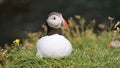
x=18, y=17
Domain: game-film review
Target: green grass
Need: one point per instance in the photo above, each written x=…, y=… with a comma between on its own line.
x=90, y=51
x=89, y=57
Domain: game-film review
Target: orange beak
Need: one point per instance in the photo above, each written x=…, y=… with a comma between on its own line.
x=109, y=45
x=65, y=24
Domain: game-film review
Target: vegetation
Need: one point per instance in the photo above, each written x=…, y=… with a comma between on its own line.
x=89, y=51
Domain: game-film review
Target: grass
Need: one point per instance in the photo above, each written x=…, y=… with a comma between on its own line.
x=90, y=50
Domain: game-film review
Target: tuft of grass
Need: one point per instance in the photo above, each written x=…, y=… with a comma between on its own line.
x=90, y=57
x=90, y=50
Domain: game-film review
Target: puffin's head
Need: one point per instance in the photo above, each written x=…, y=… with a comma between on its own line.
x=55, y=20
x=114, y=43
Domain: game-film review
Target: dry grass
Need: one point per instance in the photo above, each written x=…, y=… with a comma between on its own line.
x=89, y=50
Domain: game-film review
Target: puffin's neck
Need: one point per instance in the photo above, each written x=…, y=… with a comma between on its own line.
x=51, y=31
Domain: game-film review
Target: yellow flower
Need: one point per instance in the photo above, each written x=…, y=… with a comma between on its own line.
x=16, y=41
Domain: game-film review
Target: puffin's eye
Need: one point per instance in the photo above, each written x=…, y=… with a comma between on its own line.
x=54, y=18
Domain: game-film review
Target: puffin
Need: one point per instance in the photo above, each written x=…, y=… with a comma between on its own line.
x=115, y=43
x=54, y=44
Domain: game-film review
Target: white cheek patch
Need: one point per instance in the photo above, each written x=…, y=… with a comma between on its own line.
x=115, y=43
x=56, y=23
x=54, y=26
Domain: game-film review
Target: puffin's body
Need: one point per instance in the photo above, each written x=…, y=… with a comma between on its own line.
x=54, y=44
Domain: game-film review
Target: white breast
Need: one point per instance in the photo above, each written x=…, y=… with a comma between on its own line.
x=53, y=46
